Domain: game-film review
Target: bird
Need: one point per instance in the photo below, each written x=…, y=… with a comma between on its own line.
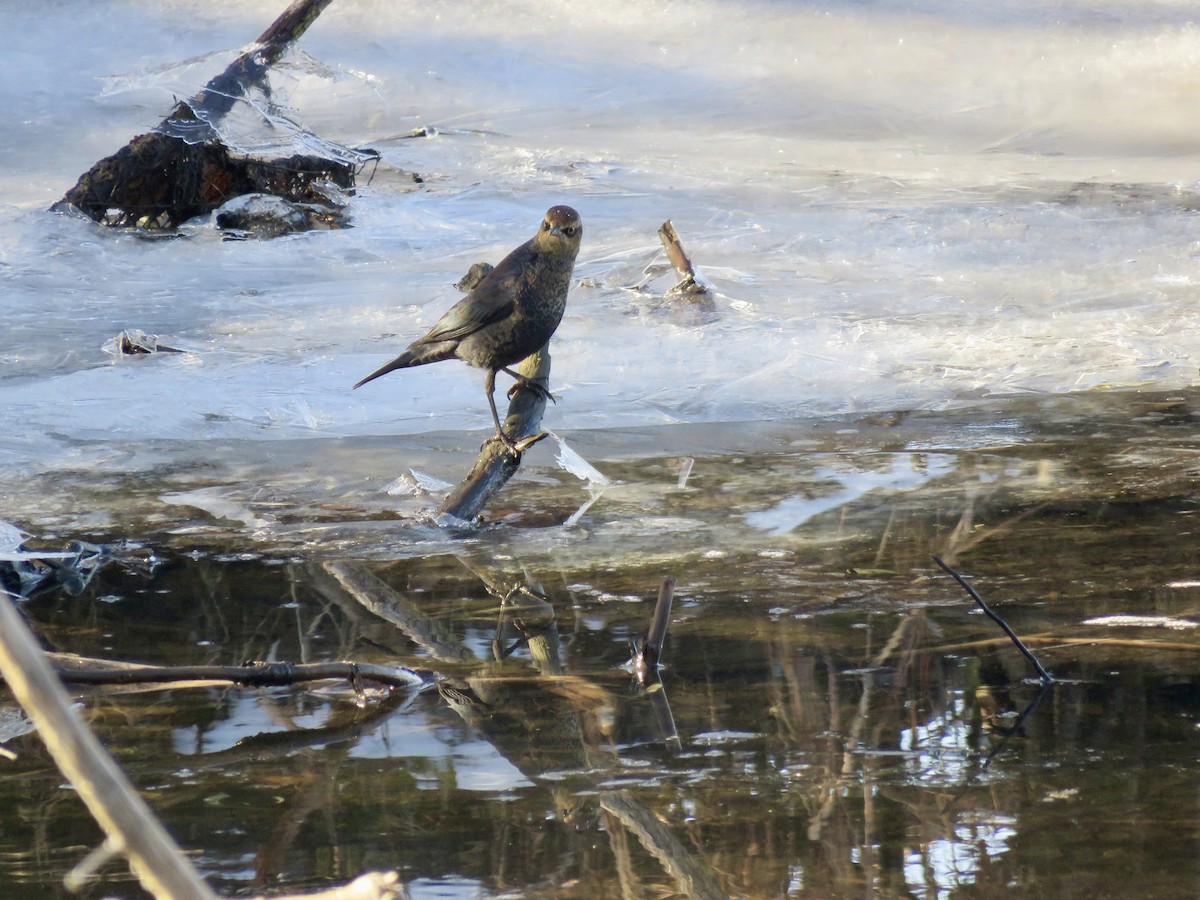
x=508, y=315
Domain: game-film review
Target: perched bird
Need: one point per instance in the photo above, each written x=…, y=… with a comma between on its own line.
x=509, y=314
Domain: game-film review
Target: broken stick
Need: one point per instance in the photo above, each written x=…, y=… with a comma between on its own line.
x=687, y=283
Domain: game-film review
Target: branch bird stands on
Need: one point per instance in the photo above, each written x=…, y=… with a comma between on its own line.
x=509, y=315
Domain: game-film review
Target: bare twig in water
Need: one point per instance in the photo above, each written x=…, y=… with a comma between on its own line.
x=1046, y=677
x=74, y=670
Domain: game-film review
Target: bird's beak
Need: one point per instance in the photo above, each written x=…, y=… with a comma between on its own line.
x=556, y=230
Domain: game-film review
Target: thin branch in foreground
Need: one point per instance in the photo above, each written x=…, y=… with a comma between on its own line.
x=1046, y=677
x=131, y=828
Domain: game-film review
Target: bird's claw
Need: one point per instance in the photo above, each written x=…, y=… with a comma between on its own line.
x=537, y=389
x=516, y=448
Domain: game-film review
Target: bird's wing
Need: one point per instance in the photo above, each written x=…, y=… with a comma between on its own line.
x=490, y=301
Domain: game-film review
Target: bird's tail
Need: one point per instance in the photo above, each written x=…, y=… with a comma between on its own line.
x=417, y=355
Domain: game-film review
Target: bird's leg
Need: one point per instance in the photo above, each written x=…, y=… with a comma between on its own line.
x=516, y=448
x=529, y=384
x=490, y=387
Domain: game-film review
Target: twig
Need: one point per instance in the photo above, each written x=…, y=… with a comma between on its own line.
x=1046, y=677
x=73, y=670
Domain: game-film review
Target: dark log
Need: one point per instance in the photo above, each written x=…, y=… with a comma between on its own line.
x=181, y=169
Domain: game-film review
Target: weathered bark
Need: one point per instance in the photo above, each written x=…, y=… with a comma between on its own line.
x=687, y=283
x=496, y=464
x=181, y=169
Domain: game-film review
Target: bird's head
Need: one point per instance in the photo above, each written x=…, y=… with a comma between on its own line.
x=561, y=231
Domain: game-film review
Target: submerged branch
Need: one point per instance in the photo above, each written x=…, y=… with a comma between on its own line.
x=75, y=670
x=690, y=874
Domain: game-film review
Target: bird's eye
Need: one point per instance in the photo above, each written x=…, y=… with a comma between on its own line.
x=545, y=226
x=570, y=230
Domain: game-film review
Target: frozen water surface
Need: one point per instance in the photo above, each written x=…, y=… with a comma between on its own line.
x=899, y=208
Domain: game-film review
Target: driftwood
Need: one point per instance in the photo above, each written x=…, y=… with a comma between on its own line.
x=496, y=464
x=181, y=169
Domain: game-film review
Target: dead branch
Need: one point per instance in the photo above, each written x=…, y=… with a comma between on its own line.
x=687, y=284
x=378, y=597
x=496, y=465
x=646, y=655
x=76, y=670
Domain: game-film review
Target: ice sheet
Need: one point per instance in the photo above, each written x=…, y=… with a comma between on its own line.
x=900, y=206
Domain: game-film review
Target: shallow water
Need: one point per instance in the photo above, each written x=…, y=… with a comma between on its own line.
x=830, y=705
x=953, y=255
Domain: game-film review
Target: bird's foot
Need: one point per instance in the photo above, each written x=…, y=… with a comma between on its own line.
x=535, y=387
x=516, y=448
